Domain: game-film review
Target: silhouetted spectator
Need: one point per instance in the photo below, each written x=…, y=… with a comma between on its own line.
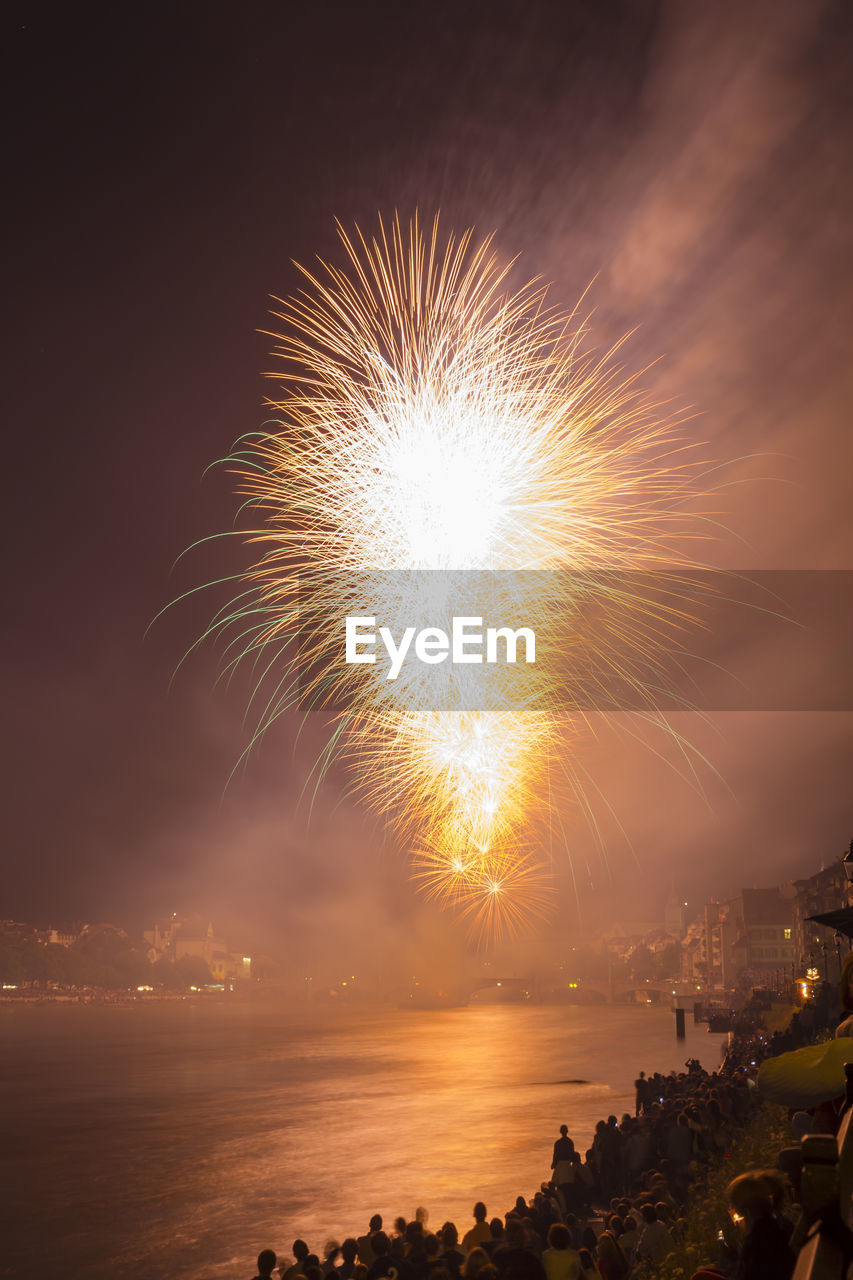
x=479, y=1233
x=301, y=1253
x=629, y=1237
x=607, y=1147
x=496, y=1235
x=432, y=1250
x=266, y=1262
x=764, y=1254
x=416, y=1257
x=349, y=1254
x=546, y=1210
x=452, y=1255
x=514, y=1259
x=383, y=1262
x=521, y=1208
x=612, y=1263
x=655, y=1241
x=398, y=1240
x=365, y=1248
x=475, y=1262
x=589, y=1240
x=330, y=1255
x=678, y=1148
x=561, y=1163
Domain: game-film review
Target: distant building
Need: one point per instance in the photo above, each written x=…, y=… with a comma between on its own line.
x=175, y=938
x=663, y=940
x=763, y=953
x=62, y=937
x=622, y=940
x=721, y=927
x=103, y=928
x=674, y=915
x=19, y=927
x=816, y=946
x=160, y=938
x=694, y=967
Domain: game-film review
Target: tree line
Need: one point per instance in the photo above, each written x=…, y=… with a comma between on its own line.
x=99, y=958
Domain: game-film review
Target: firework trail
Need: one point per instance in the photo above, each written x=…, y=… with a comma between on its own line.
x=434, y=428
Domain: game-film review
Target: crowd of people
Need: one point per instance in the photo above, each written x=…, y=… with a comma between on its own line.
x=613, y=1212
x=617, y=1211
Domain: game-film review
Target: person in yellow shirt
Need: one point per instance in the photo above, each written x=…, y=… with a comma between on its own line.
x=480, y=1232
x=560, y=1260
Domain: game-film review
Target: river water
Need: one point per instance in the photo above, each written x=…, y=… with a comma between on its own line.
x=177, y=1140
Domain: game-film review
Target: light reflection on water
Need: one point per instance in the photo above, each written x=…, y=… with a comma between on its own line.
x=176, y=1140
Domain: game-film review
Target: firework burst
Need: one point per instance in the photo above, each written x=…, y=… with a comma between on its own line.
x=431, y=424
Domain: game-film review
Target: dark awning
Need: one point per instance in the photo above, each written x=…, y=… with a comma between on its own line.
x=841, y=921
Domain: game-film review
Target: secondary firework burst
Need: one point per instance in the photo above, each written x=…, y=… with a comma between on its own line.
x=431, y=422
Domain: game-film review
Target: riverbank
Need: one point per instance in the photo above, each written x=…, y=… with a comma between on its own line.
x=102, y=995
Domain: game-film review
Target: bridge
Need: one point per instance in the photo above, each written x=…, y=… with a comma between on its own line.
x=538, y=989
x=510, y=988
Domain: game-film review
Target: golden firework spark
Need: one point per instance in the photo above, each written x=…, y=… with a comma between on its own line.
x=430, y=424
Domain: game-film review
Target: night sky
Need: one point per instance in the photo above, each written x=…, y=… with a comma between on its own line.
x=164, y=166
